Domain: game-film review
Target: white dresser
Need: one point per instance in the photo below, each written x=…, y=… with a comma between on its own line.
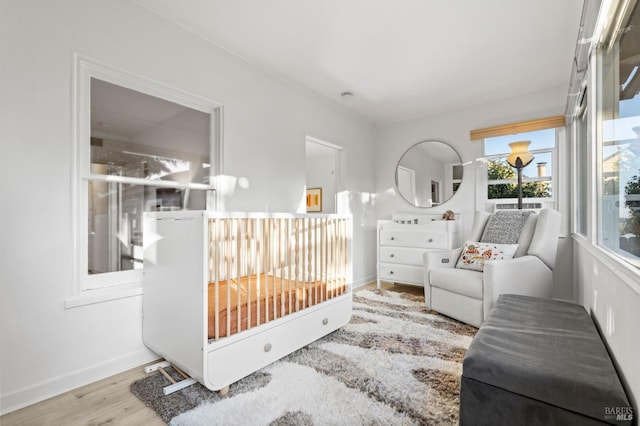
x=403, y=240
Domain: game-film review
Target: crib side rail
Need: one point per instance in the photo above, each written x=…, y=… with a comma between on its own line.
x=264, y=268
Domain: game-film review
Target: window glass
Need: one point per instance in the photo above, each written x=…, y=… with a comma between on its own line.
x=145, y=154
x=142, y=136
x=537, y=177
x=619, y=215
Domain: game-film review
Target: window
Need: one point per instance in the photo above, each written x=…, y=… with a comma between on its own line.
x=537, y=177
x=619, y=146
x=140, y=147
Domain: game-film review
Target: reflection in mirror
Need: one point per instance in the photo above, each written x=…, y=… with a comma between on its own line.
x=429, y=173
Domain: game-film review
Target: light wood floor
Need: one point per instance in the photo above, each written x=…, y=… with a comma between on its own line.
x=106, y=402
x=412, y=289
x=109, y=401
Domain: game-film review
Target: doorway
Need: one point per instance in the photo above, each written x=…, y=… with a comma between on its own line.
x=322, y=171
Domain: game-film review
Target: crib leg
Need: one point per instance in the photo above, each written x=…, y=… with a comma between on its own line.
x=153, y=367
x=167, y=390
x=224, y=391
x=176, y=386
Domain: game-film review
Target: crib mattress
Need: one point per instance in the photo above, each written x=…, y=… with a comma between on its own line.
x=256, y=299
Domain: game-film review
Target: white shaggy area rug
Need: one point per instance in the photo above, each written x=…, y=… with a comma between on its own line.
x=395, y=363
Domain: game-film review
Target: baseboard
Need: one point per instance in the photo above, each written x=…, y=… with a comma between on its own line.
x=61, y=384
x=364, y=281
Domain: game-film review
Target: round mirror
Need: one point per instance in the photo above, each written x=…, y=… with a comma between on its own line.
x=428, y=173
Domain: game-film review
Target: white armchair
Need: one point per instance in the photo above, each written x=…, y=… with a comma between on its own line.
x=468, y=295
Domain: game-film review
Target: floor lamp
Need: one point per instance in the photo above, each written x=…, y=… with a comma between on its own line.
x=519, y=158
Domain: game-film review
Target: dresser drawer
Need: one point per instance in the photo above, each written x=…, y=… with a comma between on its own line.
x=401, y=273
x=413, y=238
x=409, y=256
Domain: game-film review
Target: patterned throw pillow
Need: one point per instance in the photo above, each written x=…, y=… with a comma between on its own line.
x=474, y=254
x=504, y=227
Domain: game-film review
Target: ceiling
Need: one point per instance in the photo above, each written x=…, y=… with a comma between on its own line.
x=401, y=59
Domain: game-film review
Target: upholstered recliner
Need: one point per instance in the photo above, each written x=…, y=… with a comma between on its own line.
x=465, y=283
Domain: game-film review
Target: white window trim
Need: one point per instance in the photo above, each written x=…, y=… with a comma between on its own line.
x=89, y=289
x=90, y=297
x=625, y=271
x=588, y=175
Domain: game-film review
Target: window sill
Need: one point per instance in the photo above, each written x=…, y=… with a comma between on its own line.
x=622, y=269
x=90, y=297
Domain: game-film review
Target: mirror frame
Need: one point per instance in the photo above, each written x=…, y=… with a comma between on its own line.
x=399, y=165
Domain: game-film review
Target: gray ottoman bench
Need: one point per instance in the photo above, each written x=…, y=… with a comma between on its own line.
x=540, y=362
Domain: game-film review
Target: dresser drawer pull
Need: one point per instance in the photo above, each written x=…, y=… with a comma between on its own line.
x=392, y=255
x=390, y=272
x=393, y=238
x=430, y=240
x=325, y=321
x=267, y=347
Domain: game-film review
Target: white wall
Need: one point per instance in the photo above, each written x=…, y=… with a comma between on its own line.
x=453, y=128
x=610, y=291
x=45, y=349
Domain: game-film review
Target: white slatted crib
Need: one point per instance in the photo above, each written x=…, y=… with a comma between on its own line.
x=226, y=294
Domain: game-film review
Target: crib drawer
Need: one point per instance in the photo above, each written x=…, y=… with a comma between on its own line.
x=228, y=364
x=402, y=273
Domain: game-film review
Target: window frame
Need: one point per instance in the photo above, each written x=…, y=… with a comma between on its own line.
x=93, y=288
x=582, y=146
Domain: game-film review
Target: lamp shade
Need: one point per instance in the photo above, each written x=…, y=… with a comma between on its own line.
x=519, y=149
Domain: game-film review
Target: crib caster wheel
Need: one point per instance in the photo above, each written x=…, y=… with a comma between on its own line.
x=224, y=391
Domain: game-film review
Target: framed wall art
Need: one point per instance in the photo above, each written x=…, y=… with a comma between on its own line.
x=314, y=200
